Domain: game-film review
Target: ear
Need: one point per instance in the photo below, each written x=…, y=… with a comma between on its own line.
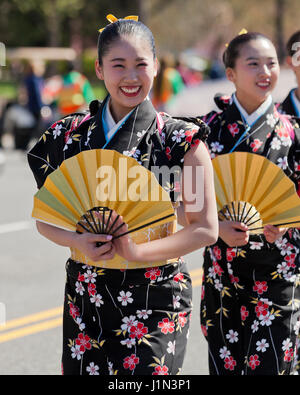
x=289, y=61
x=155, y=67
x=230, y=74
x=99, y=71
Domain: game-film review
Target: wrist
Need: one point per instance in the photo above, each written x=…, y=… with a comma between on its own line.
x=73, y=241
x=221, y=229
x=134, y=253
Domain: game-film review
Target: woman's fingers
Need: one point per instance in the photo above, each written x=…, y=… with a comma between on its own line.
x=273, y=233
x=106, y=253
x=94, y=238
x=239, y=226
x=119, y=225
x=235, y=234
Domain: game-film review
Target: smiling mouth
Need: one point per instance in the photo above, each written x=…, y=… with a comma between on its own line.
x=264, y=84
x=130, y=91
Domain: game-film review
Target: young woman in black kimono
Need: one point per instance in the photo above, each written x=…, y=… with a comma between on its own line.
x=291, y=104
x=133, y=319
x=250, y=311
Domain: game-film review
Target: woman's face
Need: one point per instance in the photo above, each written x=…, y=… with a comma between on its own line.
x=127, y=69
x=255, y=73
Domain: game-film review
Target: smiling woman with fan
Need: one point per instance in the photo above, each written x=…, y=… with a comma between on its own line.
x=250, y=312
x=128, y=294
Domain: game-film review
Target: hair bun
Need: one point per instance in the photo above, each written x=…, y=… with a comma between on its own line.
x=94, y=107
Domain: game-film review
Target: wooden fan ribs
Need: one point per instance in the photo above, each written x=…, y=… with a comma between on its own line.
x=250, y=188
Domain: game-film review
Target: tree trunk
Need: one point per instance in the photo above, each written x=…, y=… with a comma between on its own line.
x=143, y=11
x=76, y=40
x=279, y=28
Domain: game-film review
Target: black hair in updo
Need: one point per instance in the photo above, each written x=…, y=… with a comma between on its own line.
x=123, y=27
x=295, y=38
x=233, y=50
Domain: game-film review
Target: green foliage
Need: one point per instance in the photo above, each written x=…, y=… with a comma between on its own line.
x=177, y=24
x=8, y=90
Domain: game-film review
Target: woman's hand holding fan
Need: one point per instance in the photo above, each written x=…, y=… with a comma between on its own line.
x=124, y=245
x=88, y=244
x=273, y=233
x=233, y=233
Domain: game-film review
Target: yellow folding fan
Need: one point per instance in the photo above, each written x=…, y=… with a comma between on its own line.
x=84, y=191
x=253, y=190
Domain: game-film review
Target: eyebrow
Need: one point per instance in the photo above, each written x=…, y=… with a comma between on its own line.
x=123, y=60
x=257, y=58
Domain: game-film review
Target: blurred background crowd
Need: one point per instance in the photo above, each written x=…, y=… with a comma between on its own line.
x=50, y=48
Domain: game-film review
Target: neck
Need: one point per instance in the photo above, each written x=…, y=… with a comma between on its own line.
x=117, y=112
x=249, y=105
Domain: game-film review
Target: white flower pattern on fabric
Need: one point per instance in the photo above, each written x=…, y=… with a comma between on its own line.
x=216, y=147
x=92, y=369
x=178, y=135
x=262, y=345
x=232, y=336
x=256, y=245
x=282, y=162
x=57, y=131
x=276, y=143
x=271, y=120
x=171, y=347
x=125, y=298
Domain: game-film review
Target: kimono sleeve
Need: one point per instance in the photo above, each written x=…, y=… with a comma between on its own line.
x=47, y=154
x=297, y=154
x=181, y=136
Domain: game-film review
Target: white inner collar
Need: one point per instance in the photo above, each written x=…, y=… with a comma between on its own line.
x=252, y=118
x=108, y=119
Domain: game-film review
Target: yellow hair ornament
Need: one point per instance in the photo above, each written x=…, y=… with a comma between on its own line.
x=243, y=31
x=111, y=18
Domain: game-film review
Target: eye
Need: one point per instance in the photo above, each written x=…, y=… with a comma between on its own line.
x=142, y=64
x=253, y=64
x=118, y=65
x=273, y=63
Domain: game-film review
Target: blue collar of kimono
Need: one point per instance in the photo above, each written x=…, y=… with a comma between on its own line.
x=248, y=127
x=295, y=102
x=106, y=127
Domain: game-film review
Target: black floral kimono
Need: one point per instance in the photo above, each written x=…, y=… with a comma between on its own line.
x=250, y=307
x=131, y=321
x=288, y=106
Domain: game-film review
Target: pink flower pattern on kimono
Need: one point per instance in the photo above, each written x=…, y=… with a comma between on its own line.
x=133, y=334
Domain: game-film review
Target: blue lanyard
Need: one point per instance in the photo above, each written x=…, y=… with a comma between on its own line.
x=105, y=128
x=245, y=132
x=294, y=103
x=240, y=139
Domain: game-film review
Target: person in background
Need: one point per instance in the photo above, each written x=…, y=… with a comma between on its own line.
x=167, y=84
x=291, y=104
x=34, y=84
x=75, y=92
